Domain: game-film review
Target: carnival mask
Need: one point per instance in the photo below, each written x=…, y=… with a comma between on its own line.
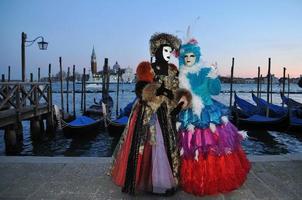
x=167, y=50
x=190, y=59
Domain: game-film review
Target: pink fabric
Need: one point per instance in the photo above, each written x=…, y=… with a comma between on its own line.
x=225, y=140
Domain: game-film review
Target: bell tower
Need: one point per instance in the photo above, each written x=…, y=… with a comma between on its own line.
x=93, y=62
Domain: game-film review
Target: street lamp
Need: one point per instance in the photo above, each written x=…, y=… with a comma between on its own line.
x=42, y=46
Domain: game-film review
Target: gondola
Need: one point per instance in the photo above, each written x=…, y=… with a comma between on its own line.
x=244, y=108
x=291, y=102
x=116, y=126
x=81, y=125
x=262, y=122
x=274, y=110
x=250, y=116
x=295, y=115
x=95, y=111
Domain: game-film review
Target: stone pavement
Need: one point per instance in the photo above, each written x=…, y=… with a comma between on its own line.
x=271, y=177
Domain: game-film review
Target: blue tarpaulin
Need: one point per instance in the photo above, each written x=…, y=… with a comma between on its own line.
x=122, y=120
x=82, y=121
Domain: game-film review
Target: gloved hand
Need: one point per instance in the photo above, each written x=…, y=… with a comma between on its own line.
x=162, y=90
x=213, y=73
x=176, y=110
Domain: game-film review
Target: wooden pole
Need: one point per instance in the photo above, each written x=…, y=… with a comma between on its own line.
x=50, y=88
x=268, y=85
x=31, y=80
x=39, y=74
x=8, y=74
x=271, y=93
x=117, y=90
x=104, y=84
x=258, y=81
x=283, y=84
x=67, y=90
x=84, y=83
x=260, y=86
x=288, y=86
x=231, y=86
x=61, y=81
x=73, y=91
x=82, y=91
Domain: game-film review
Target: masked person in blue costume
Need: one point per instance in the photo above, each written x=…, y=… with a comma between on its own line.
x=212, y=159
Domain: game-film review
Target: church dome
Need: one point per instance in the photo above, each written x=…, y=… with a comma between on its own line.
x=116, y=66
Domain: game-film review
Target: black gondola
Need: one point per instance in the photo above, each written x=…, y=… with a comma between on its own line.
x=263, y=122
x=81, y=125
x=116, y=127
x=295, y=116
x=249, y=116
x=95, y=111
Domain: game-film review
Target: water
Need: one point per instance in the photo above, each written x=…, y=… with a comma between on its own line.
x=101, y=145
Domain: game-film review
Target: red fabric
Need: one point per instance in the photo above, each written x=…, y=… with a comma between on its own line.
x=214, y=174
x=120, y=165
x=144, y=169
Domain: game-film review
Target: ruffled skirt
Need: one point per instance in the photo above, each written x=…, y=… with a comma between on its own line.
x=212, y=163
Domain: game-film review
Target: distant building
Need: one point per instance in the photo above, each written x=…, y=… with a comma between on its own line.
x=128, y=76
x=273, y=79
x=116, y=67
x=93, y=63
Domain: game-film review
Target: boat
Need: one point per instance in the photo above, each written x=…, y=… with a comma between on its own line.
x=290, y=102
x=81, y=125
x=95, y=111
x=274, y=110
x=116, y=126
x=249, y=116
x=262, y=122
x=245, y=108
x=295, y=116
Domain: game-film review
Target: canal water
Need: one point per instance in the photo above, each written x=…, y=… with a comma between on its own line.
x=101, y=145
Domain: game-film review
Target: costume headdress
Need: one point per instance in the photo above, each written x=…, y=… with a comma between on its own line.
x=159, y=39
x=190, y=46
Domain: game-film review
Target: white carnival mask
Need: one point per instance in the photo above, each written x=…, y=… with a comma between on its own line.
x=167, y=51
x=190, y=59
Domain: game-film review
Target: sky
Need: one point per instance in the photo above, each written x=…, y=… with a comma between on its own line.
x=249, y=31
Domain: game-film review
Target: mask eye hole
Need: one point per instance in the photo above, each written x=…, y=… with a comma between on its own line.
x=192, y=56
x=166, y=50
x=186, y=56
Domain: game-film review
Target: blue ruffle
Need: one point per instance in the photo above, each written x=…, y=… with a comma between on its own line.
x=210, y=114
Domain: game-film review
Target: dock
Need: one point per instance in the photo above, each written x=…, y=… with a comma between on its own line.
x=271, y=177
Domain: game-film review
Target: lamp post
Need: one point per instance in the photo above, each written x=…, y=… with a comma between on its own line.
x=42, y=46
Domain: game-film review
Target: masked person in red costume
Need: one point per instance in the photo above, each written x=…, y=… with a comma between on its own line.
x=147, y=157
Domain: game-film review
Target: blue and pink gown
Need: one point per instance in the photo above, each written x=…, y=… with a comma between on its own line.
x=212, y=160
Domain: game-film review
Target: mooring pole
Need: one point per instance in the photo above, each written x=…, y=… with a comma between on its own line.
x=283, y=84
x=84, y=82
x=117, y=90
x=73, y=91
x=288, y=86
x=231, y=86
x=39, y=74
x=67, y=90
x=61, y=81
x=82, y=91
x=260, y=86
x=8, y=74
x=268, y=85
x=258, y=82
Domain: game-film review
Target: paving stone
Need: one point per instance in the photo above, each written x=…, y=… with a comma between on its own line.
x=274, y=177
